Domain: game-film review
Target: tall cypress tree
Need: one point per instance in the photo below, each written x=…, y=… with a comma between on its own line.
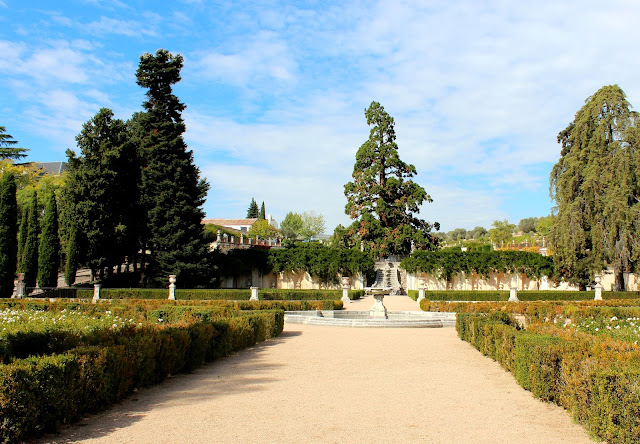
x=263, y=214
x=172, y=190
x=30, y=253
x=71, y=265
x=8, y=234
x=22, y=237
x=49, y=252
x=253, y=212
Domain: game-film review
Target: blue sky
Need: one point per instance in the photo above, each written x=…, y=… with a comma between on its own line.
x=276, y=90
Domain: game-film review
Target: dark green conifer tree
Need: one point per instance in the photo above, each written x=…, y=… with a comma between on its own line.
x=30, y=253
x=263, y=214
x=49, y=251
x=22, y=237
x=172, y=190
x=8, y=234
x=71, y=265
x=253, y=212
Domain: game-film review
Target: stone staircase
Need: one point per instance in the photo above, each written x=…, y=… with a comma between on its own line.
x=387, y=276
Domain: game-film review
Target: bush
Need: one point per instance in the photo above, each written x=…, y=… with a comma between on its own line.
x=525, y=295
x=221, y=294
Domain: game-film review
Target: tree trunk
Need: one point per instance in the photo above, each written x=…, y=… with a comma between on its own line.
x=619, y=282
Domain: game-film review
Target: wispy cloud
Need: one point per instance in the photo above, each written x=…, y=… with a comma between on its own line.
x=129, y=28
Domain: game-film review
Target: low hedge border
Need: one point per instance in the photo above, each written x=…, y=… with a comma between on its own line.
x=523, y=295
x=596, y=380
x=38, y=394
x=220, y=294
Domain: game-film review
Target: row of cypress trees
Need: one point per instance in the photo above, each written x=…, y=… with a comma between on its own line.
x=33, y=246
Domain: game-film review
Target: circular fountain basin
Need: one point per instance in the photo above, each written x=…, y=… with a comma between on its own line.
x=397, y=319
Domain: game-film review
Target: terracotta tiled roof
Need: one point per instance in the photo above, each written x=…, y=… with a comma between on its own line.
x=229, y=222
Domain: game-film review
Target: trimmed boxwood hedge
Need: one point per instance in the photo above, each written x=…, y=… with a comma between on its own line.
x=221, y=294
x=524, y=295
x=39, y=393
x=595, y=379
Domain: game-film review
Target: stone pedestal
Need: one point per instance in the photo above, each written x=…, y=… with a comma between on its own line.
x=254, y=294
x=21, y=287
x=421, y=289
x=96, y=293
x=513, y=295
x=378, y=310
x=598, y=288
x=172, y=287
x=346, y=284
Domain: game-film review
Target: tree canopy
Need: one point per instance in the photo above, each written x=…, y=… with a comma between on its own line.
x=8, y=234
x=382, y=198
x=253, y=212
x=595, y=186
x=8, y=148
x=171, y=188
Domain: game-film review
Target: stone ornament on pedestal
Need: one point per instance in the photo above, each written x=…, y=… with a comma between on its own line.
x=172, y=287
x=378, y=310
x=346, y=284
x=598, y=288
x=513, y=295
x=421, y=289
x=254, y=294
x=96, y=293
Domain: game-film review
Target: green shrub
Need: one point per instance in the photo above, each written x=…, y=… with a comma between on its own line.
x=220, y=294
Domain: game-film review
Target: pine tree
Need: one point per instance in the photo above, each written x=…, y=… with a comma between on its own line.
x=382, y=197
x=8, y=150
x=49, y=251
x=30, y=265
x=172, y=190
x=595, y=186
x=263, y=214
x=253, y=212
x=71, y=264
x=8, y=234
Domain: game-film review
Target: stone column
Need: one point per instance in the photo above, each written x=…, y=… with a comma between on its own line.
x=422, y=285
x=172, y=287
x=598, y=288
x=346, y=284
x=96, y=293
x=254, y=294
x=241, y=239
x=219, y=238
x=513, y=294
x=20, y=287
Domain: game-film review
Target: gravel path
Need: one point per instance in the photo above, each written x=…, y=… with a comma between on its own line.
x=338, y=385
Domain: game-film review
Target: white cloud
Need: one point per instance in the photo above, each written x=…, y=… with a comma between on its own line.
x=129, y=28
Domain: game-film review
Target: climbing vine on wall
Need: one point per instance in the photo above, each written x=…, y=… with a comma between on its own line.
x=446, y=264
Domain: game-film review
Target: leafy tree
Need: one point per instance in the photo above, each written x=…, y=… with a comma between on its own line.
x=263, y=229
x=501, y=232
x=103, y=192
x=528, y=225
x=457, y=234
x=291, y=226
x=312, y=225
x=8, y=150
x=382, y=198
x=595, y=186
x=8, y=234
x=544, y=225
x=71, y=264
x=49, y=252
x=173, y=193
x=479, y=232
x=30, y=252
x=263, y=214
x=253, y=212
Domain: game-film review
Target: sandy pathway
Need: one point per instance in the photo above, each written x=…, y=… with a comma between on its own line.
x=338, y=385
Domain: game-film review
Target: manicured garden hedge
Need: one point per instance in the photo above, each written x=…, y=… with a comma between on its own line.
x=221, y=294
x=39, y=393
x=596, y=378
x=525, y=295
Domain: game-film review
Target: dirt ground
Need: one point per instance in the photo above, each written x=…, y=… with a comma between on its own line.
x=338, y=385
